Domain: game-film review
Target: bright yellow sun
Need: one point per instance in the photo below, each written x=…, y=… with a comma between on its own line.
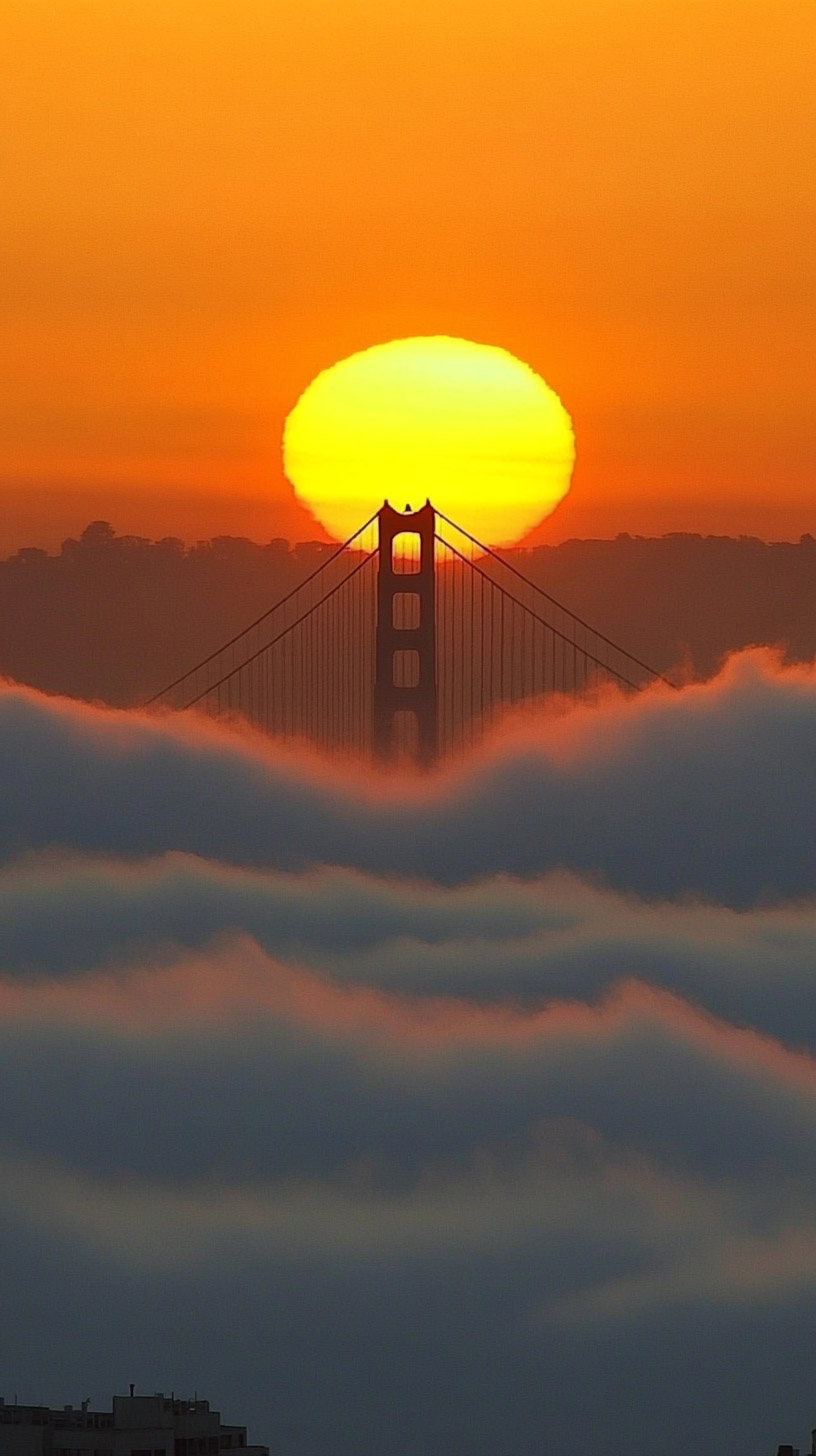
x=467, y=426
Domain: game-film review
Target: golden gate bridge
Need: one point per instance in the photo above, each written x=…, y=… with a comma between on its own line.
x=405, y=644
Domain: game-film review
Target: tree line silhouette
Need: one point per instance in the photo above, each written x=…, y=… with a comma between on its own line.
x=114, y=618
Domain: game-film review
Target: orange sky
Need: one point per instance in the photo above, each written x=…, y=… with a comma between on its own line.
x=208, y=201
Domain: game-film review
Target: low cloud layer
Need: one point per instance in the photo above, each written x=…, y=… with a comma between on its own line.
x=227, y=1122
x=709, y=791
x=473, y=1115
x=530, y=941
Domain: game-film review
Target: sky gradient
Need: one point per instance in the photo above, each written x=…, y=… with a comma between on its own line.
x=208, y=203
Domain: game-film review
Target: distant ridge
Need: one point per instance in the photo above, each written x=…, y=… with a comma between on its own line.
x=147, y=608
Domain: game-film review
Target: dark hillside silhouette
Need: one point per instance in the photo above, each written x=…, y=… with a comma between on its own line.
x=115, y=618
x=685, y=601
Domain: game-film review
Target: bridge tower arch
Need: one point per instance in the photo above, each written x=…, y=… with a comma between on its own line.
x=405, y=667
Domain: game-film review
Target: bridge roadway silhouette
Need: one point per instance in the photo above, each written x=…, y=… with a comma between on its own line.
x=405, y=644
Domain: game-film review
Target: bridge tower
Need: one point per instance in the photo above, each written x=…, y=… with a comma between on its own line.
x=404, y=708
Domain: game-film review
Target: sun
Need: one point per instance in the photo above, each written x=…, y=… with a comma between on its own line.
x=467, y=426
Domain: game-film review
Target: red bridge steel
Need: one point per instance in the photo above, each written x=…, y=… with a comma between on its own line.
x=405, y=644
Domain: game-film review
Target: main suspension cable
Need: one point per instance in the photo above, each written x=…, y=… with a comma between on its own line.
x=488, y=551
x=212, y=687
x=281, y=602
x=543, y=621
